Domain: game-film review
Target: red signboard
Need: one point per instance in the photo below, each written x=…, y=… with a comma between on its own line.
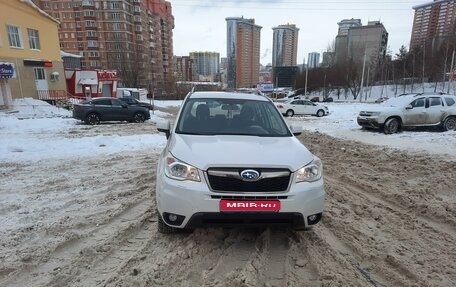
x=249, y=205
x=107, y=75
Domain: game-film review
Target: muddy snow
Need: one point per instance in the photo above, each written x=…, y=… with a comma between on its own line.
x=87, y=220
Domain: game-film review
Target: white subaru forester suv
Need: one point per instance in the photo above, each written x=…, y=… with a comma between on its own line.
x=232, y=160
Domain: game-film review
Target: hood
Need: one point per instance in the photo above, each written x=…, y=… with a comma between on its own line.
x=240, y=151
x=381, y=109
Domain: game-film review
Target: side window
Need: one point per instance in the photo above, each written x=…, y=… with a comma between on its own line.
x=116, y=103
x=418, y=103
x=102, y=102
x=449, y=101
x=435, y=102
x=295, y=102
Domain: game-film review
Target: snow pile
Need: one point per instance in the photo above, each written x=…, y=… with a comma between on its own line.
x=32, y=108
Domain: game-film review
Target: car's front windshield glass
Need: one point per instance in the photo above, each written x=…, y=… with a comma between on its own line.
x=207, y=116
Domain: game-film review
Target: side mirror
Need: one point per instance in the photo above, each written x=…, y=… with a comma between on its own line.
x=409, y=107
x=296, y=130
x=164, y=127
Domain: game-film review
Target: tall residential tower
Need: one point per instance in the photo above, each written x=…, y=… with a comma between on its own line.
x=243, y=53
x=432, y=22
x=133, y=37
x=285, y=45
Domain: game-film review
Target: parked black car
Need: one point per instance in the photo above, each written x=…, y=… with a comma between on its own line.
x=328, y=100
x=109, y=109
x=315, y=99
x=134, y=102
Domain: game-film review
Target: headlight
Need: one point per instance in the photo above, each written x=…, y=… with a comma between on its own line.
x=311, y=172
x=178, y=170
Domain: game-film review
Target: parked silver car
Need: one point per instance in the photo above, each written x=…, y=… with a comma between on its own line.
x=412, y=110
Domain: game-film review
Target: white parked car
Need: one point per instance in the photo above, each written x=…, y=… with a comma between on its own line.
x=241, y=167
x=302, y=107
x=411, y=110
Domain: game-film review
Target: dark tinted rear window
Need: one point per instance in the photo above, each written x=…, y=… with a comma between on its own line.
x=99, y=102
x=449, y=101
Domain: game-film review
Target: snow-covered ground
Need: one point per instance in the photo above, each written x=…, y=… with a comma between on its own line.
x=341, y=123
x=35, y=130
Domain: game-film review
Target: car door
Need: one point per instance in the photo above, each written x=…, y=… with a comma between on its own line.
x=435, y=110
x=120, y=110
x=310, y=108
x=297, y=106
x=416, y=112
x=102, y=107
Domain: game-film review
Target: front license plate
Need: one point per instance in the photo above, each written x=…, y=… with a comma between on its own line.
x=249, y=205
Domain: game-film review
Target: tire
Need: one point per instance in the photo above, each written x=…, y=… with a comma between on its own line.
x=320, y=113
x=163, y=227
x=449, y=124
x=392, y=126
x=289, y=113
x=138, y=118
x=92, y=119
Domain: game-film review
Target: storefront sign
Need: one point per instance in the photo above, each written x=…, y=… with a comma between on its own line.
x=107, y=75
x=38, y=63
x=6, y=70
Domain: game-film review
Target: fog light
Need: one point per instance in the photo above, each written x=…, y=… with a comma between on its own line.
x=172, y=217
x=313, y=219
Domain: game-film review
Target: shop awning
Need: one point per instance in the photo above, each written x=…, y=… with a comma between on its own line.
x=88, y=82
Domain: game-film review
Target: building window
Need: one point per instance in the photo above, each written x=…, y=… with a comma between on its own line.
x=92, y=44
x=34, y=39
x=115, y=16
x=14, y=36
x=116, y=26
x=115, y=5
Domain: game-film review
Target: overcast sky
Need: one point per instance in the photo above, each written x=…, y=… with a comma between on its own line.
x=200, y=24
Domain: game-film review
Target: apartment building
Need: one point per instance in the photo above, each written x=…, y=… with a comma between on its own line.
x=206, y=64
x=132, y=37
x=184, y=68
x=313, y=60
x=243, y=52
x=370, y=40
x=285, y=45
x=433, y=21
x=30, y=60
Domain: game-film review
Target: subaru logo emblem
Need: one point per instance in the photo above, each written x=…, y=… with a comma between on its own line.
x=250, y=175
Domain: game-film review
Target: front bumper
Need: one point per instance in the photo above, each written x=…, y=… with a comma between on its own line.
x=197, y=206
x=370, y=122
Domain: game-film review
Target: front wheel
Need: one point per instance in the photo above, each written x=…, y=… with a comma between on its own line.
x=391, y=126
x=289, y=113
x=92, y=119
x=449, y=124
x=320, y=113
x=139, y=118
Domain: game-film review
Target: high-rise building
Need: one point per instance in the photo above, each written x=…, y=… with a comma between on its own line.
x=206, y=63
x=243, y=53
x=313, y=60
x=133, y=37
x=432, y=22
x=184, y=68
x=285, y=45
x=341, y=42
x=370, y=40
x=346, y=24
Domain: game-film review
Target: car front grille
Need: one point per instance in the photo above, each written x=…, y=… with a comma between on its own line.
x=229, y=180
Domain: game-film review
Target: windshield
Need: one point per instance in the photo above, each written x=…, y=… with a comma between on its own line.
x=231, y=117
